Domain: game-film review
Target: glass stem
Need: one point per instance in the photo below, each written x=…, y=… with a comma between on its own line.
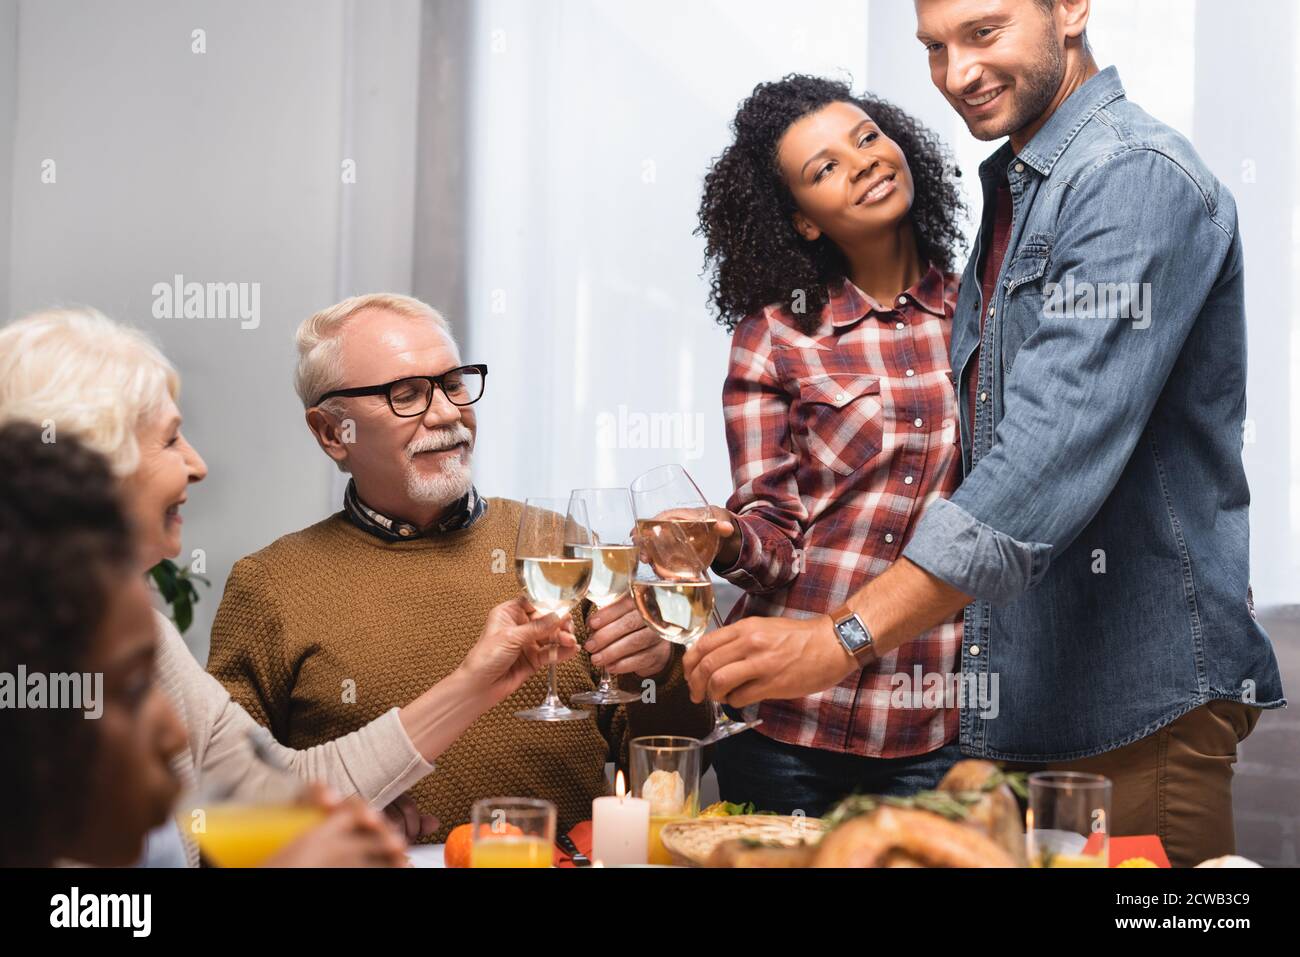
x=606, y=685
x=552, y=696
x=719, y=716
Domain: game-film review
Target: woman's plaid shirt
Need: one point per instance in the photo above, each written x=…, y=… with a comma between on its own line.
x=838, y=441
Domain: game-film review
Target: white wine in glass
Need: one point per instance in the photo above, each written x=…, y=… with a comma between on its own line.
x=555, y=585
x=671, y=586
x=611, y=573
x=678, y=610
x=554, y=573
x=702, y=533
x=613, y=559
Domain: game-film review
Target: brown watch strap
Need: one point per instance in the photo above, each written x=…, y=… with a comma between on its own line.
x=866, y=655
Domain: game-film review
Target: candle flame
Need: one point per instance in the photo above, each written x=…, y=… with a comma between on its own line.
x=619, y=787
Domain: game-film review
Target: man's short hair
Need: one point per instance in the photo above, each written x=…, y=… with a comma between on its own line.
x=320, y=354
x=1050, y=5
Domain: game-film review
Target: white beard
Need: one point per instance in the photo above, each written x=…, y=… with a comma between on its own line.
x=452, y=482
x=446, y=486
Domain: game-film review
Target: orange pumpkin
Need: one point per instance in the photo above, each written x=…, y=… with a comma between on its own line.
x=456, y=852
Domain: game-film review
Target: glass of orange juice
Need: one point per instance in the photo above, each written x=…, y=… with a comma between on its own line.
x=666, y=772
x=246, y=835
x=236, y=828
x=512, y=832
x=1068, y=821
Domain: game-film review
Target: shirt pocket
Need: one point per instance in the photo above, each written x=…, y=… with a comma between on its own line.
x=840, y=421
x=1022, y=305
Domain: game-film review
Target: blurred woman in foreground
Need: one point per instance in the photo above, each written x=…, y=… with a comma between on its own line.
x=91, y=772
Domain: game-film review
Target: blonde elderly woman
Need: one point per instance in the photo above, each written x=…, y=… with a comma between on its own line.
x=77, y=372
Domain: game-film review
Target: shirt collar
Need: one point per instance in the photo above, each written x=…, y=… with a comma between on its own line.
x=849, y=304
x=463, y=514
x=1064, y=125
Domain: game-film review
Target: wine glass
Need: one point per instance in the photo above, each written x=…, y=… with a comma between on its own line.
x=554, y=572
x=669, y=494
x=613, y=557
x=672, y=588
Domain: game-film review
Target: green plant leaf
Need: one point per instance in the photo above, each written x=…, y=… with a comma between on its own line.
x=183, y=613
x=164, y=575
x=176, y=585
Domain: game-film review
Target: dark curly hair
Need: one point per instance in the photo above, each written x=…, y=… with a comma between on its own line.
x=64, y=542
x=756, y=256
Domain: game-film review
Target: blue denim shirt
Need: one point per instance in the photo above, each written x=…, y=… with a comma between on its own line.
x=1102, y=520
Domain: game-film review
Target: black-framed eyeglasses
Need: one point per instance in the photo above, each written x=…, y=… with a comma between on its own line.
x=413, y=395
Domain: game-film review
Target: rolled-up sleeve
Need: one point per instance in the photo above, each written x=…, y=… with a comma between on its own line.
x=1082, y=389
x=763, y=465
x=954, y=546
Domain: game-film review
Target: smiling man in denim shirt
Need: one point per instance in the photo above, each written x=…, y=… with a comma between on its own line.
x=1099, y=539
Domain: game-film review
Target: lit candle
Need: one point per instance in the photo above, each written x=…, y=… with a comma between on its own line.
x=620, y=827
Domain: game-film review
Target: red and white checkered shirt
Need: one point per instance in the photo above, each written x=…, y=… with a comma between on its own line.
x=838, y=441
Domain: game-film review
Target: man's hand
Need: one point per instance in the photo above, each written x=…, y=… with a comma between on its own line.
x=767, y=658
x=514, y=647
x=408, y=821
x=618, y=638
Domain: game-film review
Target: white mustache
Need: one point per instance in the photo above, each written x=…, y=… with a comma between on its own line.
x=437, y=441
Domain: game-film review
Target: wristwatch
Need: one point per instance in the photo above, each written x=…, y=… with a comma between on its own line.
x=854, y=636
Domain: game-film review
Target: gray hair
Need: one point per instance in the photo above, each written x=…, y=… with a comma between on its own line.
x=320, y=350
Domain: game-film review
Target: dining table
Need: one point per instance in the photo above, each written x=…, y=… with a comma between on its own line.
x=426, y=855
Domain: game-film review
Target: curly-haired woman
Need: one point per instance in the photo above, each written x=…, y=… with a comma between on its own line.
x=831, y=229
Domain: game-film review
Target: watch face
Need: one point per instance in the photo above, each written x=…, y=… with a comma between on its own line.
x=852, y=633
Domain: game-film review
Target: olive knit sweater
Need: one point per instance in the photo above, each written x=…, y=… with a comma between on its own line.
x=328, y=628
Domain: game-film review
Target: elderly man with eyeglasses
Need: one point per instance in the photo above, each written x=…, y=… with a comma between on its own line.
x=330, y=627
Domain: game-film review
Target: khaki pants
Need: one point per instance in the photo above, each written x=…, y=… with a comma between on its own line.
x=1177, y=782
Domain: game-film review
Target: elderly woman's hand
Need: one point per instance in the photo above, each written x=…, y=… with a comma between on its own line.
x=514, y=646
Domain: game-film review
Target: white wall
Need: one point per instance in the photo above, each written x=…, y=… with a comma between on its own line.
x=8, y=106
x=224, y=167
x=593, y=126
